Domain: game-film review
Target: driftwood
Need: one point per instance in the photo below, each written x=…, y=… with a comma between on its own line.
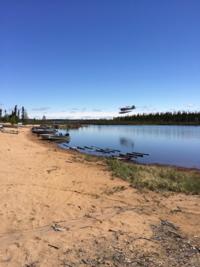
x=9, y=131
x=57, y=228
x=52, y=246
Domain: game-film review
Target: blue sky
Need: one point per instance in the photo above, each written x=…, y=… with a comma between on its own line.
x=75, y=58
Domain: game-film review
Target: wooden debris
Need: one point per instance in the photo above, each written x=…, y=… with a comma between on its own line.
x=10, y=131
x=52, y=246
x=57, y=228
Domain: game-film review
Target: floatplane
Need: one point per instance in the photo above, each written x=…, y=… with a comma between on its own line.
x=126, y=109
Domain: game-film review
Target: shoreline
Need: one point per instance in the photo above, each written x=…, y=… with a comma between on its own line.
x=154, y=177
x=71, y=152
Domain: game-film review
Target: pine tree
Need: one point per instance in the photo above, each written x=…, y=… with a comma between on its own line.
x=15, y=111
x=23, y=113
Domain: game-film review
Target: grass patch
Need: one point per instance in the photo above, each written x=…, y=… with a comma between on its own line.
x=156, y=178
x=90, y=158
x=115, y=189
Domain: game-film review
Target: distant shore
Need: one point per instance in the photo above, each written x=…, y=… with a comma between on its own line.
x=73, y=124
x=186, y=118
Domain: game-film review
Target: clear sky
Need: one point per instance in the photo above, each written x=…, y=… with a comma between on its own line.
x=80, y=58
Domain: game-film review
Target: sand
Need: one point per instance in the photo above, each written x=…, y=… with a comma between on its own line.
x=57, y=209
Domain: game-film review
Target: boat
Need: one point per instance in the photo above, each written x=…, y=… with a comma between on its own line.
x=55, y=137
x=40, y=130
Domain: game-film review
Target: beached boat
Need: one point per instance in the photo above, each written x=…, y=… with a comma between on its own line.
x=40, y=130
x=55, y=137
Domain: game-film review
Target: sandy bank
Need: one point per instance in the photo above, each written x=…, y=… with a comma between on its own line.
x=56, y=210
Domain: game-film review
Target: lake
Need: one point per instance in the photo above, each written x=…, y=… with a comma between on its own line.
x=174, y=145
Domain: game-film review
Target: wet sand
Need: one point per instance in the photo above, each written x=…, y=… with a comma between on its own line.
x=57, y=209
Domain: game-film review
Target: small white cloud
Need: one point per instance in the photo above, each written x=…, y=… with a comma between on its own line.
x=146, y=109
x=97, y=110
x=41, y=109
x=81, y=114
x=190, y=106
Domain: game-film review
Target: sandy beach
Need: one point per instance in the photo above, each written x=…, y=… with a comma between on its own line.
x=57, y=209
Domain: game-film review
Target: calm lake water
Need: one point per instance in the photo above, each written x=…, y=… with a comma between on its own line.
x=176, y=145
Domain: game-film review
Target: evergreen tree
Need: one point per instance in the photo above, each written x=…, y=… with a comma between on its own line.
x=23, y=113
x=15, y=111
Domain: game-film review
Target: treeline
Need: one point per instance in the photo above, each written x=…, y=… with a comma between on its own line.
x=180, y=117
x=14, y=116
x=160, y=118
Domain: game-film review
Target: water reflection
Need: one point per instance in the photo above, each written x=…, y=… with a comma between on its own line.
x=175, y=132
x=178, y=145
x=127, y=142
